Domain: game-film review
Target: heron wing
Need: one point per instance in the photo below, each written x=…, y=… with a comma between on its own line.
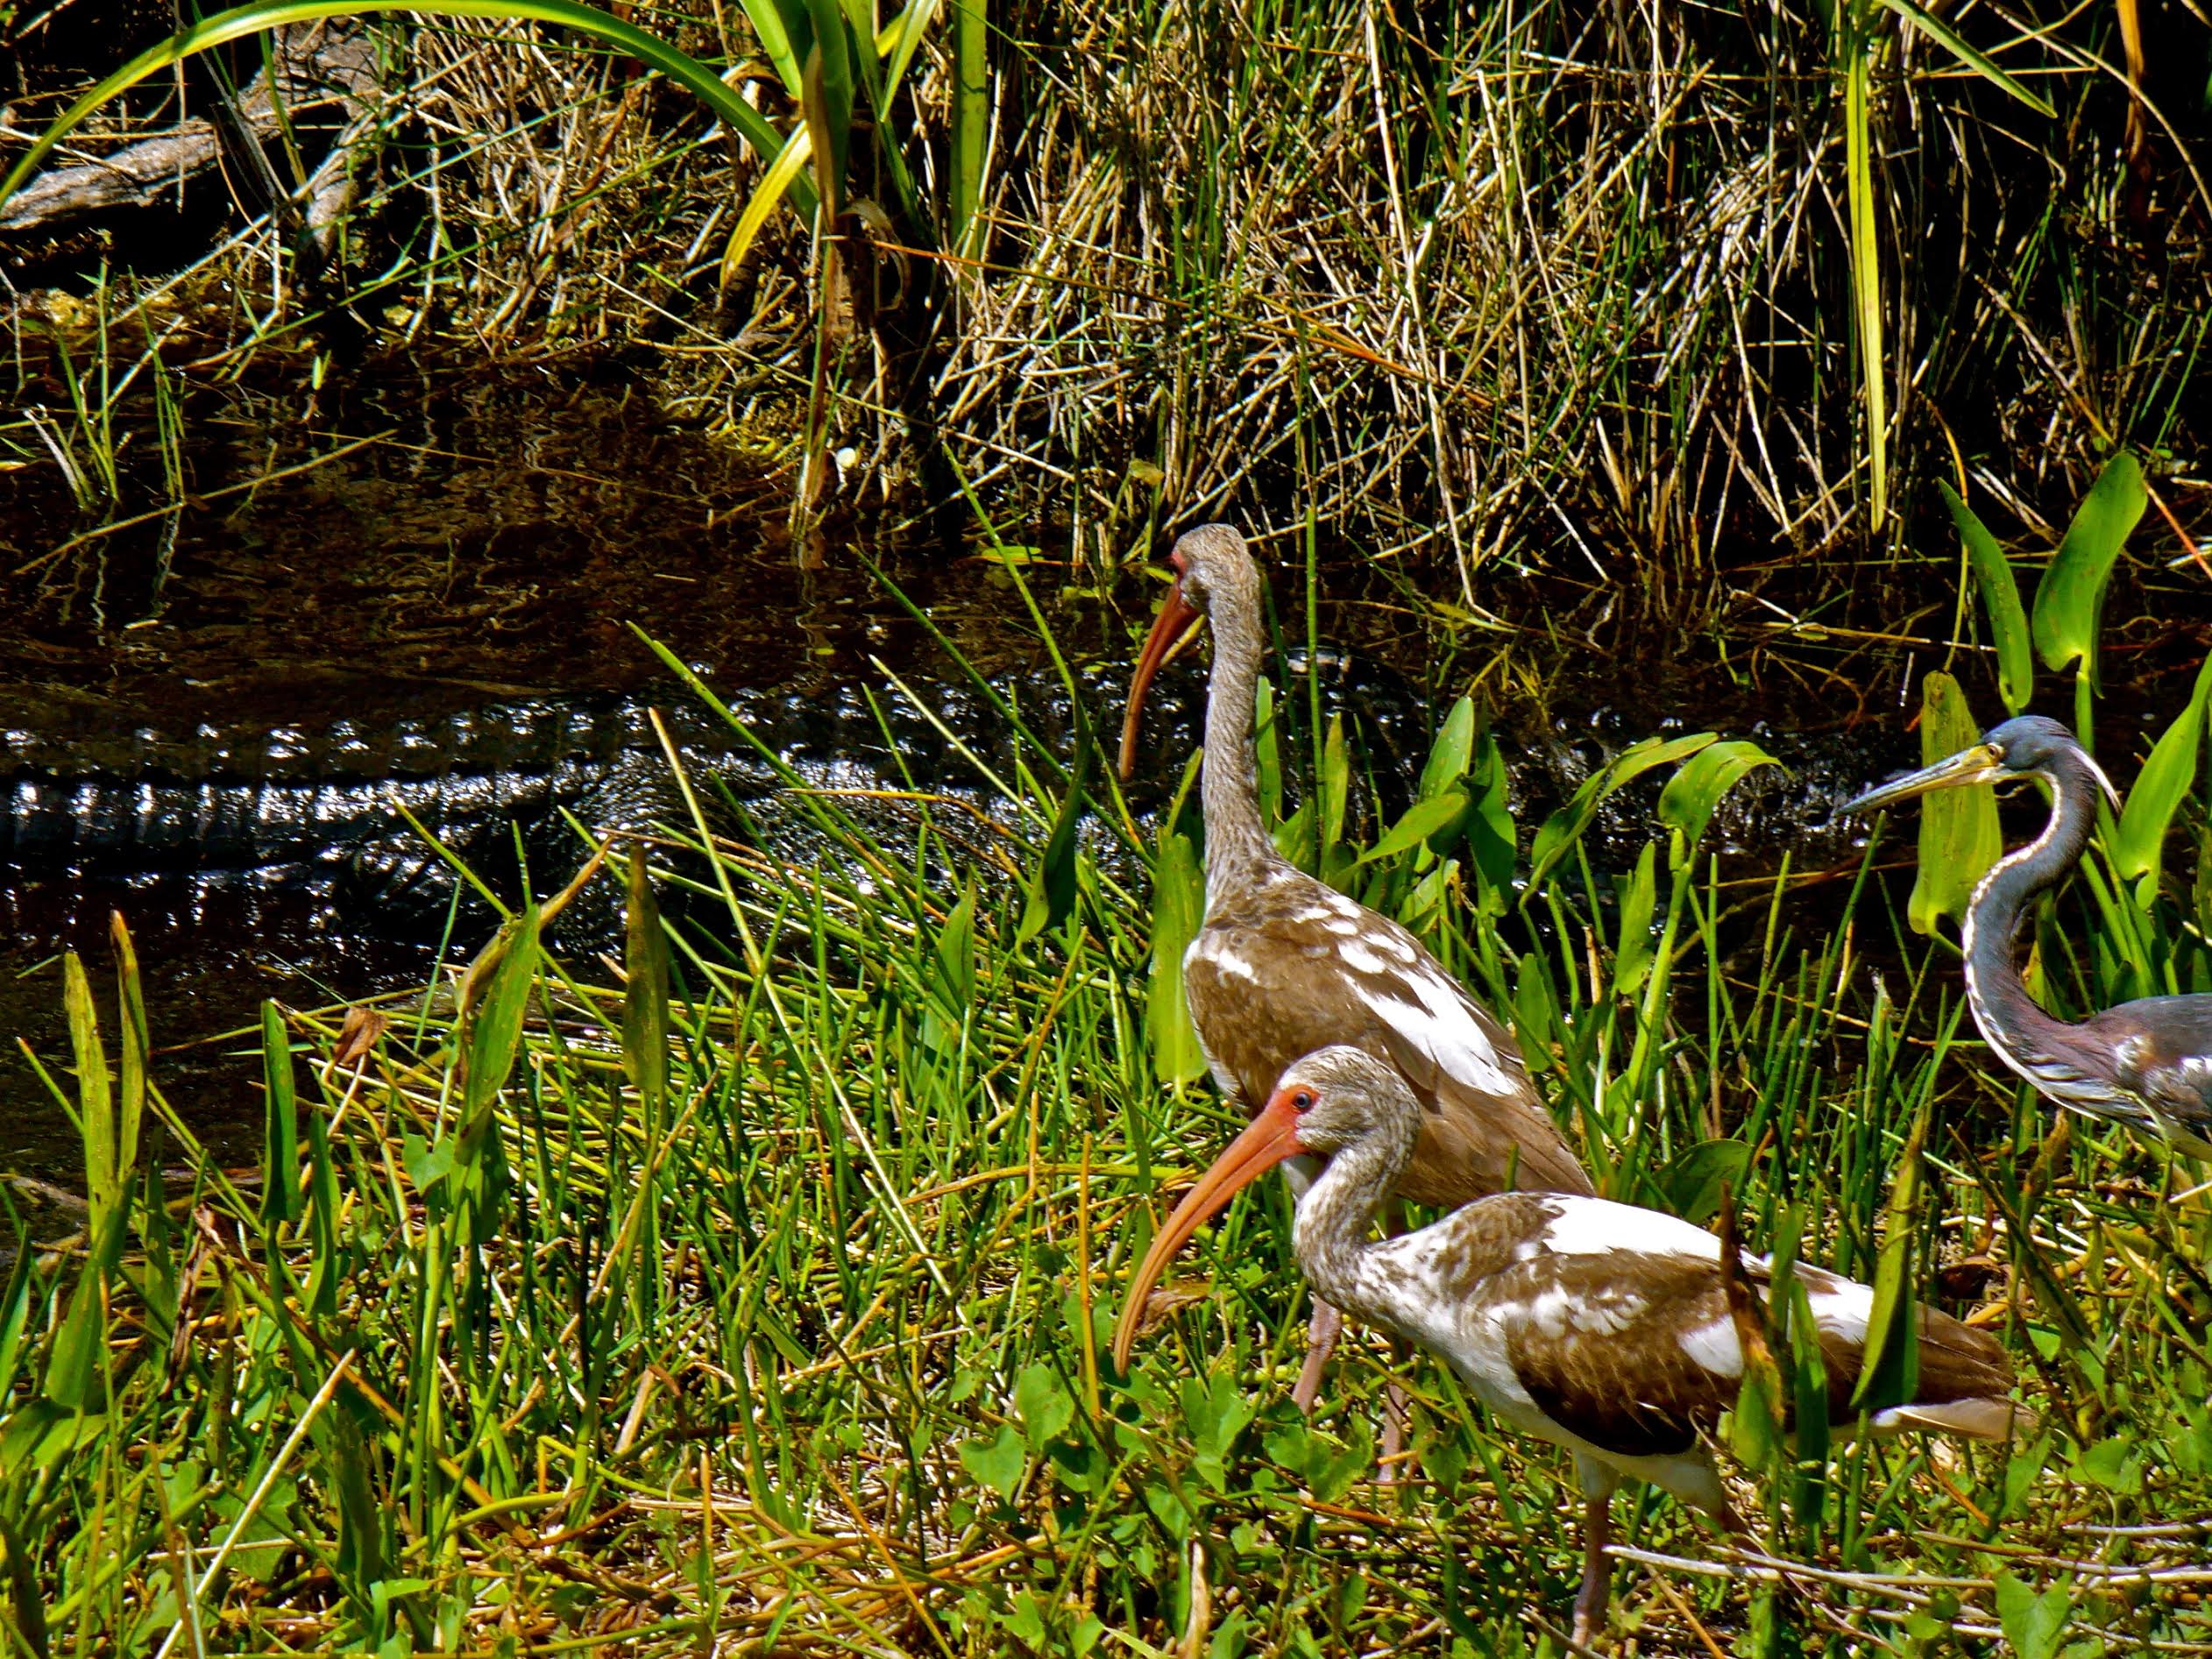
x=2163, y=1049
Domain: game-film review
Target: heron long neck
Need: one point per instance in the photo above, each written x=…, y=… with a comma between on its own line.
x=1329, y=1235
x=2008, y=1017
x=1237, y=843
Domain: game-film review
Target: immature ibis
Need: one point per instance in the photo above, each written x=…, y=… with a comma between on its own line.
x=1601, y=1327
x=1285, y=964
x=2147, y=1064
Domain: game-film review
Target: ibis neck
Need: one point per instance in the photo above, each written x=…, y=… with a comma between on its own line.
x=2009, y=1018
x=1329, y=1235
x=1237, y=848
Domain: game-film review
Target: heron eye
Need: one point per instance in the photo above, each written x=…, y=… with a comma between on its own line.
x=1302, y=1100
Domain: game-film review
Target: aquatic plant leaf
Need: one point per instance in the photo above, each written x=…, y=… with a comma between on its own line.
x=1179, y=904
x=1336, y=789
x=1960, y=836
x=1051, y=884
x=2164, y=783
x=1450, y=755
x=1890, y=1364
x=997, y=1463
x=2071, y=595
x=2000, y=593
x=1631, y=956
x=1492, y=836
x=1559, y=833
x=1686, y=804
x=2035, y=1625
x=955, y=956
x=280, y=1122
x=1043, y=1404
x=75, y=1377
x=132, y=1045
x=1694, y=1179
x=502, y=977
x=94, y=1108
x=1424, y=821
x=645, y=1030
x=1956, y=45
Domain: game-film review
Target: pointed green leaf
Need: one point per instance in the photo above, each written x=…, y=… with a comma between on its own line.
x=1336, y=789
x=2035, y=1625
x=1423, y=820
x=1492, y=837
x=1631, y=956
x=1693, y=1180
x=645, y=1030
x=1051, y=884
x=1949, y=38
x=1450, y=755
x=1960, y=836
x=2070, y=596
x=2164, y=783
x=95, y=1107
x=1559, y=833
x=131, y=1051
x=76, y=1378
x=2000, y=603
x=1889, y=1365
x=501, y=979
x=997, y=1463
x=1043, y=1404
x=1178, y=905
x=955, y=958
x=280, y=1121
x=1686, y=804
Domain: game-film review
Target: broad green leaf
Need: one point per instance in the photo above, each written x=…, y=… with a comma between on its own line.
x=954, y=958
x=1423, y=820
x=1491, y=835
x=2000, y=603
x=1631, y=957
x=1335, y=788
x=103, y=1180
x=2164, y=783
x=2071, y=595
x=1178, y=905
x=2035, y=1625
x=1043, y=1404
x=1809, y=1399
x=997, y=1463
x=240, y=22
x=1267, y=753
x=280, y=1122
x=1450, y=755
x=1216, y=1409
x=768, y=196
x=501, y=978
x=1890, y=1363
x=1952, y=41
x=1693, y=1180
x=1535, y=1014
x=1565, y=826
x=75, y=1379
x=1052, y=885
x=1960, y=836
x=1686, y=804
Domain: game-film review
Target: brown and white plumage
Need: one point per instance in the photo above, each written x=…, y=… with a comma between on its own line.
x=1285, y=964
x=1602, y=1326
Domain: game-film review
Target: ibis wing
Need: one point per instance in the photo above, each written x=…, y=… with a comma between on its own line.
x=1636, y=1354
x=1306, y=967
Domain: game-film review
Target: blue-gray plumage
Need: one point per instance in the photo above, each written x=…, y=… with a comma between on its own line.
x=2147, y=1064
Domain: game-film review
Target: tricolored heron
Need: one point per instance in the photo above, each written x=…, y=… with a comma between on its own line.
x=2147, y=1064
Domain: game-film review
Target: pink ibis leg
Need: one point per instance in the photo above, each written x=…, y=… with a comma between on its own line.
x=1590, y=1602
x=1321, y=1341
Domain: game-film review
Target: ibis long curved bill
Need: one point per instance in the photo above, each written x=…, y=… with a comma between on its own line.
x=1175, y=618
x=1268, y=1140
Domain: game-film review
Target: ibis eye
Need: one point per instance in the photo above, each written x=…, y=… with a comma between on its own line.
x=1302, y=1100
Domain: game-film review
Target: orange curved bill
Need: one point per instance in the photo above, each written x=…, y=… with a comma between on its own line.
x=1175, y=616
x=1268, y=1140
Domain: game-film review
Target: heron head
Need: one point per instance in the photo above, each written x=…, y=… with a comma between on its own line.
x=2027, y=746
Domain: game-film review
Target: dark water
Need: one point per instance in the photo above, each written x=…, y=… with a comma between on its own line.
x=211, y=725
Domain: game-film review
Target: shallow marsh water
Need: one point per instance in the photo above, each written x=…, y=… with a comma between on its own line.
x=210, y=717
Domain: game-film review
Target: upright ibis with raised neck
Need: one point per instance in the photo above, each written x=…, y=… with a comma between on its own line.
x=1601, y=1327
x=2147, y=1064
x=1285, y=964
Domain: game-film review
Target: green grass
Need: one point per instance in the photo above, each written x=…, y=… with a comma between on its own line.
x=750, y=1294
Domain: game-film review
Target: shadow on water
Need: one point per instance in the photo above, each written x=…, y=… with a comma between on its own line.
x=213, y=718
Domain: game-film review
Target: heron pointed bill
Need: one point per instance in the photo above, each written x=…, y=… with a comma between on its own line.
x=1980, y=764
x=1175, y=616
x=1268, y=1140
